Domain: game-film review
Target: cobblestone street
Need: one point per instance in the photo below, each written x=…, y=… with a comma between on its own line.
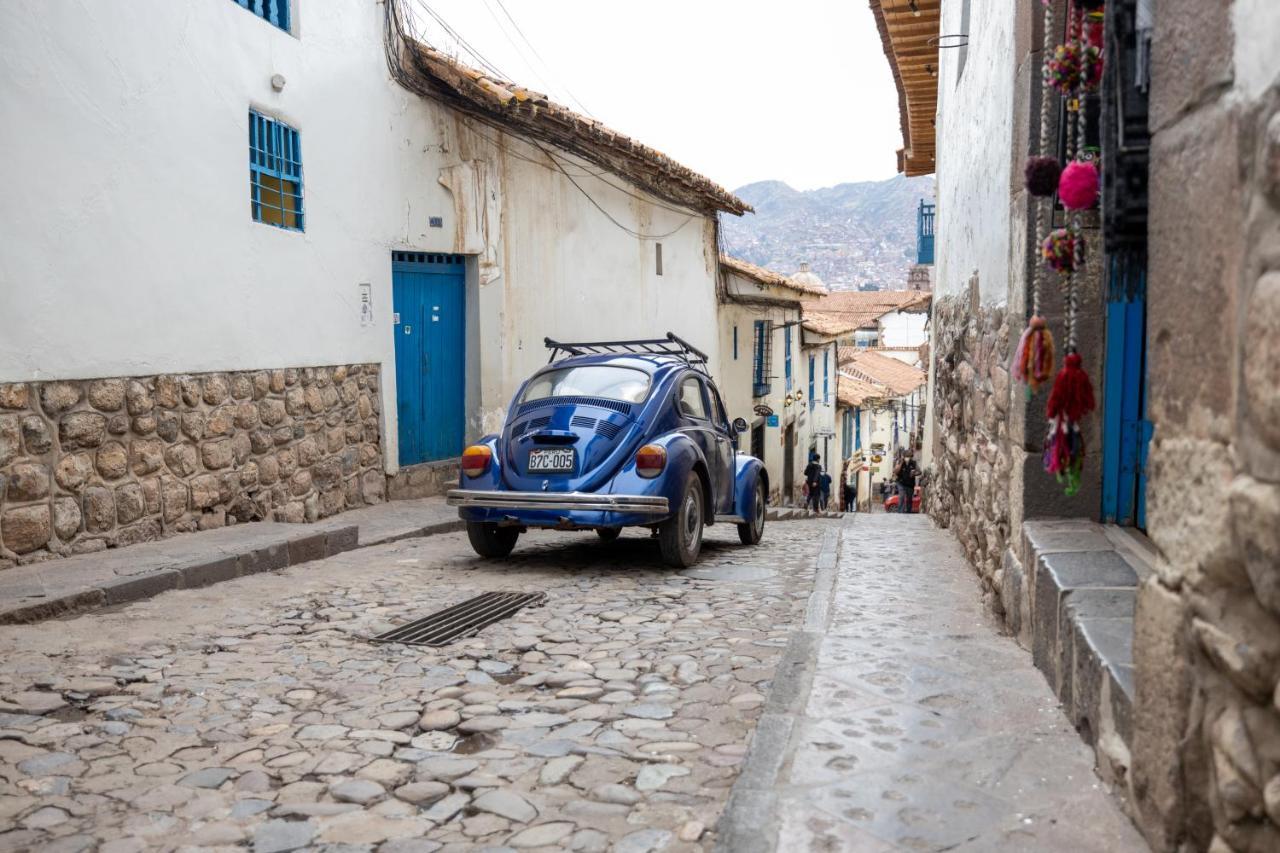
x=254, y=713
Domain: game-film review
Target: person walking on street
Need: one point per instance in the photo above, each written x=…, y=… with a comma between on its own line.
x=850, y=492
x=813, y=483
x=824, y=484
x=905, y=473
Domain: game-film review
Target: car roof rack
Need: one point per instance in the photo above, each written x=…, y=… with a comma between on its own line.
x=672, y=345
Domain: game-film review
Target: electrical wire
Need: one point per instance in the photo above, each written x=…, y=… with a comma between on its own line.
x=545, y=64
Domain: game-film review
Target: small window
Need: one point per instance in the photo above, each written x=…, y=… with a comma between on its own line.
x=275, y=173
x=657, y=257
x=692, y=403
x=274, y=11
x=735, y=343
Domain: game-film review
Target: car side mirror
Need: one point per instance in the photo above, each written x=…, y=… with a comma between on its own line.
x=740, y=425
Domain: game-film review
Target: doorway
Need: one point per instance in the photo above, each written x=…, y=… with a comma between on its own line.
x=789, y=464
x=429, y=323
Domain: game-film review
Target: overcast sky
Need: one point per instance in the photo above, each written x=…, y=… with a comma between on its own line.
x=740, y=90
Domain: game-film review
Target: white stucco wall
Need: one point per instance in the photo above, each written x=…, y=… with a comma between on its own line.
x=129, y=248
x=903, y=329
x=974, y=130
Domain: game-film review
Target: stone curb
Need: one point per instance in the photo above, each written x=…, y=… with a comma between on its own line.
x=749, y=823
x=226, y=564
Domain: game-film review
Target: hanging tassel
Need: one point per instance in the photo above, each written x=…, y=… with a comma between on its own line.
x=1033, y=359
x=1072, y=394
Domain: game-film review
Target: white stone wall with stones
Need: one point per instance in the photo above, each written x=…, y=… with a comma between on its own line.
x=100, y=463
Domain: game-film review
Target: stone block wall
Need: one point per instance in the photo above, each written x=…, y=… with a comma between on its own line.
x=969, y=489
x=1206, y=757
x=93, y=464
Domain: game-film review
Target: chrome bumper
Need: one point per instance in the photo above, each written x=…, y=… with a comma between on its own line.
x=557, y=501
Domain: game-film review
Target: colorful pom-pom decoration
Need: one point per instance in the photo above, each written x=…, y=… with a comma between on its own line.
x=1078, y=185
x=1058, y=250
x=1033, y=359
x=1042, y=175
x=1091, y=68
x=1062, y=70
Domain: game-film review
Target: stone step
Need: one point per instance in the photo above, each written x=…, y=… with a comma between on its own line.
x=1081, y=602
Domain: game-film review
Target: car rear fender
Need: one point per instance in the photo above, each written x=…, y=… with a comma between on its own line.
x=748, y=470
x=683, y=456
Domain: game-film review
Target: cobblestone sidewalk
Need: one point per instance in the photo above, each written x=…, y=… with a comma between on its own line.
x=921, y=727
x=254, y=712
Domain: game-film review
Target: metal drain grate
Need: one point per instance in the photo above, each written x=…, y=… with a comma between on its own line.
x=461, y=620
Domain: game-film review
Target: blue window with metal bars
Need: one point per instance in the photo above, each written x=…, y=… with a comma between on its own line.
x=812, y=372
x=786, y=339
x=846, y=442
x=857, y=427
x=275, y=173
x=275, y=11
x=826, y=376
x=760, y=360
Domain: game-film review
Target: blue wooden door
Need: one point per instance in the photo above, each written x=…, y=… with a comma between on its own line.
x=429, y=301
x=1126, y=430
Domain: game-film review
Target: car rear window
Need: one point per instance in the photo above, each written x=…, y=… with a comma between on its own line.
x=593, y=380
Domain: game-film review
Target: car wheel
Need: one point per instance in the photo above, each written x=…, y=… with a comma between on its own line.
x=490, y=540
x=753, y=531
x=608, y=534
x=680, y=537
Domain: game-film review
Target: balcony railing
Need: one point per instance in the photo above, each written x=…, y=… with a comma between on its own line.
x=924, y=233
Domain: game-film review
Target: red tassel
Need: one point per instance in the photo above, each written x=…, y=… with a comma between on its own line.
x=1072, y=394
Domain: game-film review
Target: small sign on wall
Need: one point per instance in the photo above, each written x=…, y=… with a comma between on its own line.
x=772, y=420
x=366, y=304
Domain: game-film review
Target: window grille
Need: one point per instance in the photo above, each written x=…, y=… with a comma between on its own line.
x=761, y=359
x=273, y=11
x=275, y=173
x=812, y=372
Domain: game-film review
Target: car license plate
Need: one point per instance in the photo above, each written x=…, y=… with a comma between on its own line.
x=541, y=461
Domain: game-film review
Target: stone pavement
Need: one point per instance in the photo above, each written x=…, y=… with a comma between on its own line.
x=254, y=713
x=903, y=720
x=54, y=587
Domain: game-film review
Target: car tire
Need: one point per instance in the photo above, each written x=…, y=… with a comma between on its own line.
x=490, y=540
x=608, y=534
x=753, y=530
x=680, y=537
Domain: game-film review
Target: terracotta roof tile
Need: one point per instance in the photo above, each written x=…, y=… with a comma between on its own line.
x=852, y=391
x=862, y=308
x=897, y=376
x=767, y=276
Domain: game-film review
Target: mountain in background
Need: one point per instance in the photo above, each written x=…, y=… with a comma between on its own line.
x=853, y=235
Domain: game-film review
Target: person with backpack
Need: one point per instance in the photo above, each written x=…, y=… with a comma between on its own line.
x=824, y=484
x=813, y=483
x=905, y=474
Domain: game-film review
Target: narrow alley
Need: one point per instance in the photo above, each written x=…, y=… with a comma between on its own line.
x=618, y=716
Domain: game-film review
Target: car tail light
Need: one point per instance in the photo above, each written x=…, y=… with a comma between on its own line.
x=650, y=460
x=475, y=460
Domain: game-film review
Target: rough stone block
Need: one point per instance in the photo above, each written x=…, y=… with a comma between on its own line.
x=112, y=460
x=27, y=482
x=1102, y=649
x=72, y=472
x=146, y=456
x=81, y=429
x=13, y=395
x=1191, y=56
x=1196, y=220
x=99, y=509
x=58, y=397
x=342, y=539
x=307, y=548
x=26, y=528
x=36, y=435
x=1162, y=691
x=138, y=587
x=130, y=503
x=182, y=459
x=147, y=530
x=211, y=572
x=10, y=438
x=217, y=454
x=204, y=491
x=215, y=389
x=266, y=559
x=67, y=518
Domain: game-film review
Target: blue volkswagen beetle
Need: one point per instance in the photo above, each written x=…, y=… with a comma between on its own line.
x=610, y=435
